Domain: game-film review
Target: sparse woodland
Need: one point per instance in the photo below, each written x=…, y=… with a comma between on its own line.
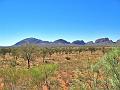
x=31, y=67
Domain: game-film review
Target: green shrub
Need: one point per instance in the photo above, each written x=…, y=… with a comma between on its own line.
x=27, y=77
x=110, y=65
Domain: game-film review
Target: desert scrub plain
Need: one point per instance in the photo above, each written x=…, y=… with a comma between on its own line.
x=31, y=67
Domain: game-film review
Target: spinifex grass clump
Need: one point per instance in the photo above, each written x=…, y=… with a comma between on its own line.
x=39, y=75
x=110, y=66
x=22, y=78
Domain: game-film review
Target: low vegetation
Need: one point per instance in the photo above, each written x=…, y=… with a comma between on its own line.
x=31, y=67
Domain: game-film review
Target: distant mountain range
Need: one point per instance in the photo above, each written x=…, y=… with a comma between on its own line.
x=62, y=42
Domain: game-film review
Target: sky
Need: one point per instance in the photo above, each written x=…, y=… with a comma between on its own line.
x=55, y=19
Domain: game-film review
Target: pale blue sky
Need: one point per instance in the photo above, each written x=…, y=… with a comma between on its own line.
x=54, y=19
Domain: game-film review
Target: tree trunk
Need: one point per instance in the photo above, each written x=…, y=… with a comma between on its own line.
x=28, y=63
x=43, y=59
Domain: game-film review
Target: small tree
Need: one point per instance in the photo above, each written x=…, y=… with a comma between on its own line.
x=15, y=52
x=103, y=50
x=43, y=53
x=92, y=49
x=28, y=53
x=50, y=51
x=80, y=50
x=4, y=51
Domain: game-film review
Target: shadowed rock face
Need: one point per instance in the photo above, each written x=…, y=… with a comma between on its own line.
x=79, y=42
x=103, y=40
x=118, y=41
x=29, y=41
x=40, y=42
x=90, y=43
x=61, y=41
